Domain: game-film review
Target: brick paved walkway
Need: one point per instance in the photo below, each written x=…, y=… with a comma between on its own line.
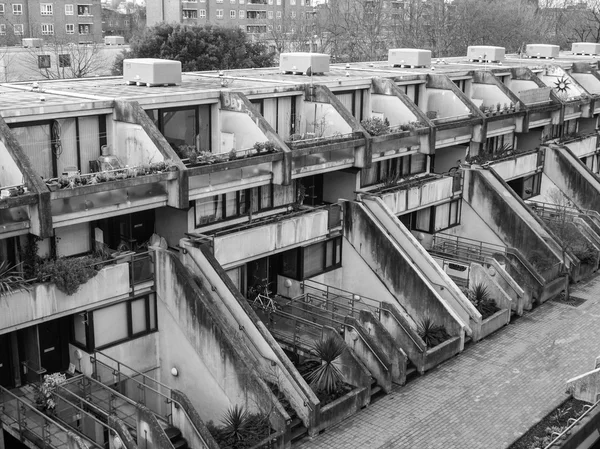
x=490, y=394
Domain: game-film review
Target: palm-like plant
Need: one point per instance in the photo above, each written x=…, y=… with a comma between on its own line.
x=481, y=299
x=11, y=279
x=235, y=423
x=327, y=376
x=432, y=334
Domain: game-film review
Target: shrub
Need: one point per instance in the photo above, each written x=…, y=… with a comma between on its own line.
x=480, y=297
x=240, y=429
x=11, y=279
x=431, y=333
x=375, y=126
x=69, y=274
x=540, y=261
x=327, y=376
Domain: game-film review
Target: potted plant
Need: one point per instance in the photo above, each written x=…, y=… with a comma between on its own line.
x=432, y=334
x=431, y=115
x=376, y=126
x=45, y=397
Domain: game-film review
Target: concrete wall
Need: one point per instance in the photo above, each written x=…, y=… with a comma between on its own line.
x=572, y=178
x=507, y=216
x=340, y=184
x=517, y=167
x=45, y=301
x=490, y=94
x=150, y=434
x=215, y=368
x=262, y=240
x=187, y=420
x=446, y=103
x=133, y=146
x=271, y=361
x=430, y=192
x=10, y=174
x=479, y=275
x=247, y=133
x=393, y=109
x=398, y=274
x=508, y=285
x=583, y=147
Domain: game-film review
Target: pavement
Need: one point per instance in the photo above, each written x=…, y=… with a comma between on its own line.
x=491, y=393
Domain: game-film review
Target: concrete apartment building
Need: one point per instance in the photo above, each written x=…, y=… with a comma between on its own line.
x=255, y=17
x=62, y=21
x=245, y=216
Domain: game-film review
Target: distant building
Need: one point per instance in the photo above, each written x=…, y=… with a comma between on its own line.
x=124, y=21
x=62, y=20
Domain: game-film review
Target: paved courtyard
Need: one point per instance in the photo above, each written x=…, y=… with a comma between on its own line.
x=489, y=395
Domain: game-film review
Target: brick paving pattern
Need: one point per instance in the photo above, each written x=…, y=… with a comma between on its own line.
x=491, y=393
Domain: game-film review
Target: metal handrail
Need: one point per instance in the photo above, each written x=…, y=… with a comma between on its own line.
x=341, y=323
x=573, y=424
x=45, y=417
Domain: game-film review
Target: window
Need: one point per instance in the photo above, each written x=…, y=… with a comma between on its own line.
x=18, y=29
x=256, y=29
x=70, y=28
x=203, y=13
x=190, y=13
x=433, y=219
x=17, y=9
x=232, y=2
x=232, y=14
x=46, y=9
x=64, y=60
x=278, y=15
x=219, y=1
x=115, y=324
x=270, y=14
x=242, y=14
x=219, y=13
x=527, y=187
x=321, y=257
x=292, y=2
x=293, y=14
x=84, y=28
x=44, y=61
x=278, y=27
x=278, y=2
x=270, y=2
x=2, y=29
x=399, y=167
x=83, y=10
x=47, y=29
x=2, y=9
x=241, y=2
x=233, y=204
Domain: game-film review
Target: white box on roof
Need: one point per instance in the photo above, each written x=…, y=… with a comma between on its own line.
x=542, y=51
x=114, y=40
x=485, y=53
x=586, y=48
x=151, y=72
x=409, y=56
x=300, y=62
x=32, y=42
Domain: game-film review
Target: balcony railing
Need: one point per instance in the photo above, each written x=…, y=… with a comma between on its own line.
x=14, y=208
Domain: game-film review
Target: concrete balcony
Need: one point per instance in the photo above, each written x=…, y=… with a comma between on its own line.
x=14, y=211
x=45, y=300
x=583, y=145
x=518, y=165
x=422, y=191
x=275, y=233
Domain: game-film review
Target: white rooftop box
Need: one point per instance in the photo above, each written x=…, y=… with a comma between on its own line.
x=32, y=42
x=151, y=72
x=300, y=62
x=114, y=40
x=413, y=57
x=585, y=48
x=542, y=51
x=485, y=53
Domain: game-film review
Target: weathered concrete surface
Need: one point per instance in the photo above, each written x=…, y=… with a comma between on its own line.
x=489, y=395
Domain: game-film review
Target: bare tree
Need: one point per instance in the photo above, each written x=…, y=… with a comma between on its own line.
x=57, y=59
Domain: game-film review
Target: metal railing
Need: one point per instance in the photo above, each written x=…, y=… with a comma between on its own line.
x=571, y=424
x=304, y=140
x=159, y=402
x=33, y=425
x=355, y=302
x=418, y=181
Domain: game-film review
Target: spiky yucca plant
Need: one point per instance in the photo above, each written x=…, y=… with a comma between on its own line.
x=482, y=300
x=432, y=334
x=11, y=279
x=327, y=376
x=235, y=423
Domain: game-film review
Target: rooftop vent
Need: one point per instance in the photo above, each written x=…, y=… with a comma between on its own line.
x=31, y=42
x=585, y=48
x=151, y=72
x=409, y=57
x=542, y=51
x=485, y=53
x=300, y=63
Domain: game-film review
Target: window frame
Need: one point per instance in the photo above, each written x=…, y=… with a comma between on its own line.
x=67, y=25
x=70, y=12
x=335, y=258
x=219, y=14
x=21, y=29
x=49, y=9
x=232, y=14
x=410, y=219
x=49, y=29
x=17, y=9
x=150, y=327
x=2, y=29
x=2, y=9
